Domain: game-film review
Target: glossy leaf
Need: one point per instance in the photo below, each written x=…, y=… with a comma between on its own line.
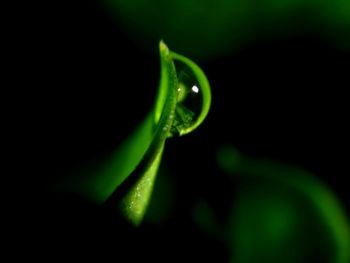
x=126, y=178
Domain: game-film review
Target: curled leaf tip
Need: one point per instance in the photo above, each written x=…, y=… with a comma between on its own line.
x=182, y=104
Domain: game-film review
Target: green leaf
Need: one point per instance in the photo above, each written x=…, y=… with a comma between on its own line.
x=126, y=178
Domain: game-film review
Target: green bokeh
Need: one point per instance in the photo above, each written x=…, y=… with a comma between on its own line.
x=192, y=27
x=203, y=28
x=273, y=223
x=282, y=213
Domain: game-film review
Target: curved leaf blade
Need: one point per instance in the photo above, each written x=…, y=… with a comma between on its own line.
x=133, y=196
x=126, y=178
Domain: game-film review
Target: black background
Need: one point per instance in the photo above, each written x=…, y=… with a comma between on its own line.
x=88, y=87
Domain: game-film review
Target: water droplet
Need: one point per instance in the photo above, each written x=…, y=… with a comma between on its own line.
x=189, y=100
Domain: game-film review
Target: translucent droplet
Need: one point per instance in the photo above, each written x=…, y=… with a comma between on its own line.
x=189, y=100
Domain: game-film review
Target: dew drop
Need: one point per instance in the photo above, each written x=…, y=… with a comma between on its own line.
x=189, y=100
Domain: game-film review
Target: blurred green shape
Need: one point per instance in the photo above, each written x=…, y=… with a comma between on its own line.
x=204, y=28
x=336, y=21
x=283, y=214
x=264, y=228
x=125, y=179
x=195, y=27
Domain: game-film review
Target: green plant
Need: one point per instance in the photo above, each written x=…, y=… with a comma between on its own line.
x=126, y=179
x=276, y=207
